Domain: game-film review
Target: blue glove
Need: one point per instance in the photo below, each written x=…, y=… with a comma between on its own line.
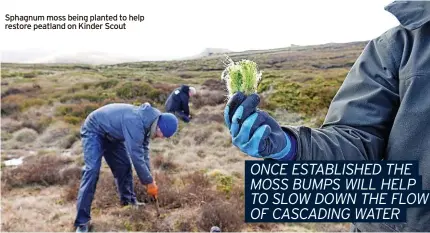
x=255, y=132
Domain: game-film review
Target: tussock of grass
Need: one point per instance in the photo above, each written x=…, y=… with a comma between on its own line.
x=25, y=135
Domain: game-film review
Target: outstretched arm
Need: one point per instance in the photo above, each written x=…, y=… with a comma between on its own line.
x=356, y=126
x=134, y=136
x=146, y=153
x=361, y=114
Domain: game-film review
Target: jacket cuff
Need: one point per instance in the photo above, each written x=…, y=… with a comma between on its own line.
x=291, y=155
x=294, y=134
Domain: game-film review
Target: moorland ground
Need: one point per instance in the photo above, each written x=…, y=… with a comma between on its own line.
x=199, y=171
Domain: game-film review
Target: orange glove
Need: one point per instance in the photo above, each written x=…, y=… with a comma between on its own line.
x=152, y=189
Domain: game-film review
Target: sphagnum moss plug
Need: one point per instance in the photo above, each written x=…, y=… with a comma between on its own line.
x=242, y=76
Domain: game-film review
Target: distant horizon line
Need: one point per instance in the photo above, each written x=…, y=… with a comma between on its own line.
x=135, y=59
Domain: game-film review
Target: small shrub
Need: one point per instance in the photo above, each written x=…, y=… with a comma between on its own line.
x=164, y=164
x=71, y=191
x=140, y=220
x=197, y=190
x=164, y=87
x=224, y=183
x=27, y=90
x=9, y=108
x=12, y=104
x=25, y=135
x=308, y=98
x=131, y=90
x=7, y=74
x=170, y=195
x=214, y=84
x=68, y=141
x=72, y=120
x=70, y=173
x=201, y=154
x=41, y=170
x=208, y=98
x=28, y=103
x=39, y=124
x=185, y=225
x=11, y=91
x=80, y=111
x=185, y=75
x=57, y=135
x=199, y=179
x=222, y=214
x=76, y=148
x=10, y=125
x=107, y=195
x=201, y=136
x=106, y=192
x=5, y=136
x=107, y=84
x=29, y=75
x=204, y=118
x=79, y=97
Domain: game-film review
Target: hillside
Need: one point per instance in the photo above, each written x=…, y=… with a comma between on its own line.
x=199, y=172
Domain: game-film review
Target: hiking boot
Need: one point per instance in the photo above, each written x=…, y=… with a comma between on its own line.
x=137, y=205
x=215, y=229
x=134, y=204
x=83, y=228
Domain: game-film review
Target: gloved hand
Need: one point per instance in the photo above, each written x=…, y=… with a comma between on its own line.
x=255, y=132
x=152, y=189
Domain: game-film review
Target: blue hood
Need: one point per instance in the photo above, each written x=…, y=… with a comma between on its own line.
x=411, y=14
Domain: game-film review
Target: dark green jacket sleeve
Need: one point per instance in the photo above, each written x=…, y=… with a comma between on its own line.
x=360, y=116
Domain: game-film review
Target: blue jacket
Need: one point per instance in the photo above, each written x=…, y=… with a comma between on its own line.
x=382, y=110
x=128, y=124
x=178, y=100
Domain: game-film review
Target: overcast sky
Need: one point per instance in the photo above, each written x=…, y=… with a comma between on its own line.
x=180, y=28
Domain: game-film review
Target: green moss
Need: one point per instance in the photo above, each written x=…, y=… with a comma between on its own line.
x=224, y=183
x=131, y=90
x=241, y=76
